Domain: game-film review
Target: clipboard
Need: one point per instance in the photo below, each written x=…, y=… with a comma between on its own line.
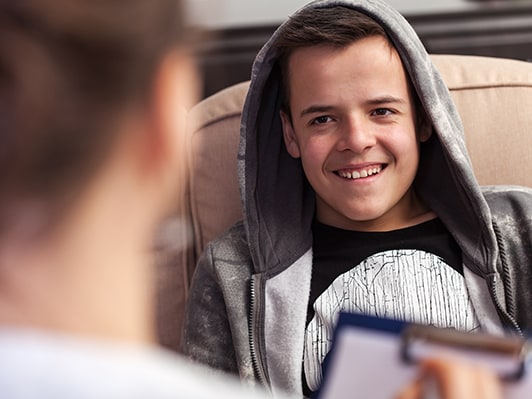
x=375, y=357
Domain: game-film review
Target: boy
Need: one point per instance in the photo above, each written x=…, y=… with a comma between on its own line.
x=358, y=195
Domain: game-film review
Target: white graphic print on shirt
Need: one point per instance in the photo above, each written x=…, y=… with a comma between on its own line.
x=408, y=285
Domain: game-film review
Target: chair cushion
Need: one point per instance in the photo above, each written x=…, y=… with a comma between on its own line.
x=214, y=195
x=494, y=99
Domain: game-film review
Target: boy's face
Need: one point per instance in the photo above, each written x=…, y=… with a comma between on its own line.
x=353, y=126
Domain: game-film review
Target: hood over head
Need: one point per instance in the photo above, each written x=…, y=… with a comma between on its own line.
x=278, y=202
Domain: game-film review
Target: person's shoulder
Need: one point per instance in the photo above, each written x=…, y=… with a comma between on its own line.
x=232, y=236
x=509, y=205
x=502, y=196
x=81, y=369
x=231, y=244
x=506, y=190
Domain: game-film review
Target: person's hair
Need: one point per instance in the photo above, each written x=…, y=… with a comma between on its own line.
x=336, y=26
x=68, y=70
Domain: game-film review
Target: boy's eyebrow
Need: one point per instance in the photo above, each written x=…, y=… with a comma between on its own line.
x=386, y=100
x=313, y=109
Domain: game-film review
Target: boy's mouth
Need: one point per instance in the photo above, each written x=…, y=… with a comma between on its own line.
x=360, y=173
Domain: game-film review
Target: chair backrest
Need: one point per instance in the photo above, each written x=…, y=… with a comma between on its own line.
x=493, y=97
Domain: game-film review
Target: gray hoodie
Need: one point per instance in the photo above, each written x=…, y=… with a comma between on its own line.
x=248, y=303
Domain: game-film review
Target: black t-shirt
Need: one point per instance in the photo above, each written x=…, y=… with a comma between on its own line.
x=412, y=274
x=337, y=250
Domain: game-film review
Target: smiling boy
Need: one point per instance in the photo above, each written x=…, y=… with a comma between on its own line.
x=354, y=128
x=352, y=118
x=358, y=195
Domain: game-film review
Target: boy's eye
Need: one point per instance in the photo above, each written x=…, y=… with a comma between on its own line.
x=320, y=120
x=381, y=112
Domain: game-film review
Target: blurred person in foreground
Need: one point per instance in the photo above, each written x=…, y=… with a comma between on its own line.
x=92, y=103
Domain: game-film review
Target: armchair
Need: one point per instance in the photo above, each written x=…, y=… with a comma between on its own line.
x=493, y=97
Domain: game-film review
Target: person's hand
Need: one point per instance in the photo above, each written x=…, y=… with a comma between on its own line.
x=453, y=379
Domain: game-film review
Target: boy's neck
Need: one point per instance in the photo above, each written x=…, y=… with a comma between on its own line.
x=412, y=213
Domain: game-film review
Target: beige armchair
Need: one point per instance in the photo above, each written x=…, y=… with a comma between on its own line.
x=493, y=96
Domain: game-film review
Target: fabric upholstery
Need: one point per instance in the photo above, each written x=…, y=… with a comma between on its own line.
x=493, y=97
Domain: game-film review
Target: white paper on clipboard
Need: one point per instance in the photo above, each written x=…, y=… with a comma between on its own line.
x=367, y=359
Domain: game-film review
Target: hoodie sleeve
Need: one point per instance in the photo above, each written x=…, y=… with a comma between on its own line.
x=511, y=209
x=206, y=314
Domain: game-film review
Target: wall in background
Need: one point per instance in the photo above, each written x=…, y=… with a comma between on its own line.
x=217, y=14
x=500, y=28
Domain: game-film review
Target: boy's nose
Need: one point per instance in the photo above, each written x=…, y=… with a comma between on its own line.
x=356, y=136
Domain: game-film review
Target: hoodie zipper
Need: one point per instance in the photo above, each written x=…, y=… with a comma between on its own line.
x=255, y=312
x=493, y=282
x=503, y=312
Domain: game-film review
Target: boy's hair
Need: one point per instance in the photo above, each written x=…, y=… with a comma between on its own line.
x=335, y=26
x=68, y=71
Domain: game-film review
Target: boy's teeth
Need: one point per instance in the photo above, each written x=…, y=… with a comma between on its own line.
x=359, y=174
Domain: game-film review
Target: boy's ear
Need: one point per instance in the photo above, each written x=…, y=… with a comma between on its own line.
x=424, y=129
x=290, y=138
